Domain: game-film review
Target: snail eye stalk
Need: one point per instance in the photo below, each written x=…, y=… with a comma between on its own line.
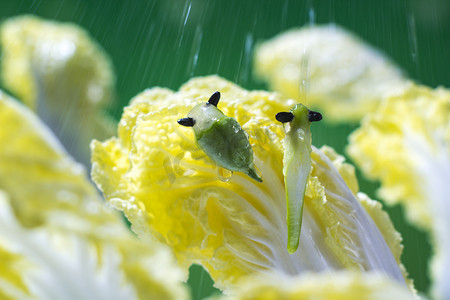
x=314, y=116
x=188, y=122
x=214, y=99
x=284, y=117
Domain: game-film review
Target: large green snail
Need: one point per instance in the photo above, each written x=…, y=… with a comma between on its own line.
x=221, y=137
x=296, y=166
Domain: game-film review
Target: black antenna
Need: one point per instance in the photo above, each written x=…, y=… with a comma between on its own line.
x=314, y=116
x=214, y=99
x=188, y=122
x=284, y=117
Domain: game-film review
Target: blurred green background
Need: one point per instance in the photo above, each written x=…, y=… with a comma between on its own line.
x=164, y=43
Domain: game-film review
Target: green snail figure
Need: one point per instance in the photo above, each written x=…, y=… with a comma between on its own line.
x=296, y=166
x=221, y=137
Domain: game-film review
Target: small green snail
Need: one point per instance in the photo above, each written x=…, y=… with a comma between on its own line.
x=296, y=166
x=221, y=137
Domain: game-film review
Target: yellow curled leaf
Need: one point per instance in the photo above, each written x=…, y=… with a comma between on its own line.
x=11, y=278
x=406, y=145
x=44, y=182
x=58, y=239
x=49, y=263
x=321, y=286
x=60, y=72
x=329, y=69
x=170, y=190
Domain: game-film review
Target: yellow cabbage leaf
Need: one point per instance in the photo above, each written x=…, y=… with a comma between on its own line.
x=10, y=278
x=406, y=145
x=341, y=285
x=58, y=239
x=63, y=75
x=47, y=263
x=45, y=184
x=329, y=69
x=170, y=190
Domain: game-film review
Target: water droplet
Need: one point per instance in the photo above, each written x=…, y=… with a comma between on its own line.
x=258, y=171
x=312, y=16
x=177, y=167
x=412, y=38
x=224, y=174
x=195, y=50
x=304, y=75
x=246, y=59
x=167, y=164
